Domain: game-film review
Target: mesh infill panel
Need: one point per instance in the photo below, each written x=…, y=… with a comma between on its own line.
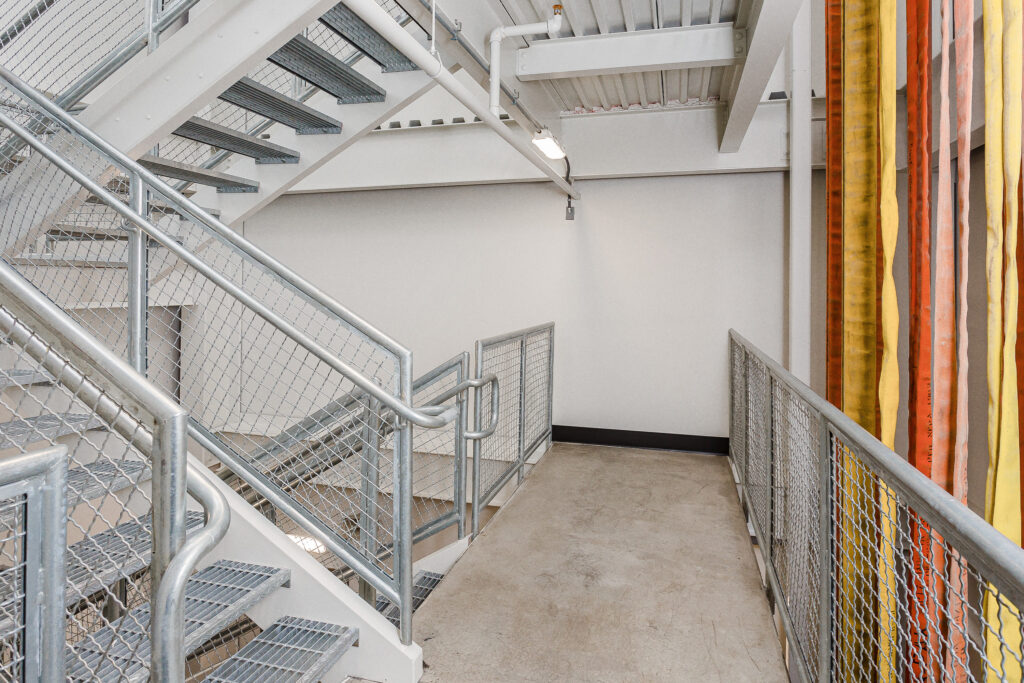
x=499, y=453
x=866, y=586
x=12, y=584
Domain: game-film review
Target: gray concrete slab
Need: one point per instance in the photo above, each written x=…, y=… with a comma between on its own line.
x=609, y=564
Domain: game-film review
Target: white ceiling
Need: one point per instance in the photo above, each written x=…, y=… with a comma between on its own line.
x=633, y=91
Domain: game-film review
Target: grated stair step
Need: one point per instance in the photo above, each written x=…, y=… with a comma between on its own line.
x=18, y=377
x=87, y=234
x=46, y=428
x=214, y=598
x=196, y=174
x=100, y=560
x=349, y=26
x=259, y=99
x=423, y=584
x=210, y=133
x=292, y=650
x=312, y=63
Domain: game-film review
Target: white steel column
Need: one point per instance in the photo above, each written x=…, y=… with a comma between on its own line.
x=798, y=347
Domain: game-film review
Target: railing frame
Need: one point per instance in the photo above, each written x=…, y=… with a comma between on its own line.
x=978, y=542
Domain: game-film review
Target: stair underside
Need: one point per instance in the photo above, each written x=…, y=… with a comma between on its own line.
x=45, y=428
x=215, y=597
x=259, y=99
x=292, y=650
x=349, y=26
x=313, y=64
x=210, y=133
x=224, y=182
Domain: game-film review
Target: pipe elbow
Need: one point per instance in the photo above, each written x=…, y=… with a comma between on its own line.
x=555, y=23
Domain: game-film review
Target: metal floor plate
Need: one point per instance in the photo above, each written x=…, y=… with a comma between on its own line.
x=423, y=584
x=313, y=64
x=210, y=133
x=215, y=597
x=259, y=99
x=292, y=650
x=46, y=428
x=349, y=26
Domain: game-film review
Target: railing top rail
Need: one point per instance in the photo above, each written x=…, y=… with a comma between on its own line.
x=526, y=331
x=978, y=541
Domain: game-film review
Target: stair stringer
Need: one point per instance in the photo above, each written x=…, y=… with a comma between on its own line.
x=358, y=120
x=315, y=593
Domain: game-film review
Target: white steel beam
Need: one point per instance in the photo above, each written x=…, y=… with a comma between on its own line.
x=218, y=46
x=770, y=27
x=799, y=261
x=684, y=47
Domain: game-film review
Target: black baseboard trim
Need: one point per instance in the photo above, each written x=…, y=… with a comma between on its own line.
x=718, y=445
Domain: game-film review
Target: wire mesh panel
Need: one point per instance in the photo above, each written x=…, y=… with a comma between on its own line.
x=497, y=456
x=738, y=408
x=878, y=574
x=32, y=524
x=523, y=362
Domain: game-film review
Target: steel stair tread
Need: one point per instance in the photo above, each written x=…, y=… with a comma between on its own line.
x=215, y=597
x=19, y=377
x=313, y=64
x=423, y=584
x=196, y=174
x=83, y=233
x=46, y=427
x=98, y=561
x=209, y=133
x=259, y=99
x=349, y=26
x=291, y=650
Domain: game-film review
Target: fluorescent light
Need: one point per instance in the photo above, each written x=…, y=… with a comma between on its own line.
x=548, y=145
x=310, y=545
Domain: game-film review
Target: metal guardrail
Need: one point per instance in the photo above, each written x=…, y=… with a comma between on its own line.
x=523, y=362
x=145, y=439
x=876, y=571
x=33, y=521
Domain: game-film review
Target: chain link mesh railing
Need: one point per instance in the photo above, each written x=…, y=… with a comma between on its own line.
x=32, y=526
x=877, y=573
x=523, y=362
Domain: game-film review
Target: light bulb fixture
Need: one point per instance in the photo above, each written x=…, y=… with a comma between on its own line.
x=548, y=145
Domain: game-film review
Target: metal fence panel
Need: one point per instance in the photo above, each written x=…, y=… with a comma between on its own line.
x=877, y=573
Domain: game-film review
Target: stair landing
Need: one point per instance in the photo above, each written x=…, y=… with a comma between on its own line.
x=610, y=564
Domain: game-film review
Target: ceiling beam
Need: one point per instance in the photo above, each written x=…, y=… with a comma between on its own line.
x=771, y=24
x=684, y=47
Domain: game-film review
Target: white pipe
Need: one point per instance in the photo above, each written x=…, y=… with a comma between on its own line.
x=382, y=22
x=552, y=25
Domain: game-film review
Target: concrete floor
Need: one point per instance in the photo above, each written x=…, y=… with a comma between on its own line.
x=609, y=564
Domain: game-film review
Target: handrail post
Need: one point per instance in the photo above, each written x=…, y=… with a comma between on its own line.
x=369, y=476
x=403, y=492
x=477, y=444
x=153, y=8
x=522, y=408
x=138, y=280
x=169, y=468
x=461, y=425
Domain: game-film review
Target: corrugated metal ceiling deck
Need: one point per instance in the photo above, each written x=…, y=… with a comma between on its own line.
x=655, y=89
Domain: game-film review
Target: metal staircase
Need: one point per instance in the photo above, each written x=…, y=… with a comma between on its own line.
x=332, y=460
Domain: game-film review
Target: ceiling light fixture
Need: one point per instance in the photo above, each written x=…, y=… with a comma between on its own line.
x=547, y=144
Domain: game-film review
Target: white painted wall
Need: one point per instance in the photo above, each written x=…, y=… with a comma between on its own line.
x=643, y=285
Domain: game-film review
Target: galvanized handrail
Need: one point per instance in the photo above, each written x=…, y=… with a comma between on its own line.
x=167, y=449
x=957, y=532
